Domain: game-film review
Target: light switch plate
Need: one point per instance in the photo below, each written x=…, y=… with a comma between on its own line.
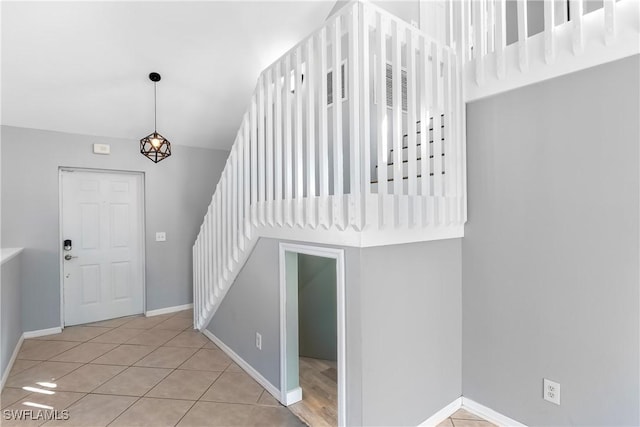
x=161, y=236
x=101, y=148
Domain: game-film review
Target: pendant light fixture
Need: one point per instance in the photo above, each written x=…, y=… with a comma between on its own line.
x=155, y=146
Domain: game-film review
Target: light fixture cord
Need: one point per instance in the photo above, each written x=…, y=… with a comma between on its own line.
x=155, y=108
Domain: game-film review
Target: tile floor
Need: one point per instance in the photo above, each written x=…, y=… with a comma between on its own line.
x=137, y=371
x=463, y=418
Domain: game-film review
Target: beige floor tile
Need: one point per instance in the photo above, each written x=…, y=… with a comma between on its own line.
x=144, y=322
x=125, y=354
x=207, y=360
x=182, y=384
x=272, y=416
x=166, y=357
x=54, y=402
x=234, y=368
x=463, y=414
x=60, y=400
x=43, y=350
x=21, y=365
x=95, y=410
x=211, y=345
x=216, y=414
x=471, y=423
x=86, y=378
x=11, y=395
x=76, y=333
x=446, y=423
x=84, y=353
x=267, y=399
x=43, y=372
x=178, y=323
x=234, y=387
x=118, y=335
x=188, y=339
x=185, y=313
x=153, y=412
x=134, y=381
x=113, y=323
x=153, y=337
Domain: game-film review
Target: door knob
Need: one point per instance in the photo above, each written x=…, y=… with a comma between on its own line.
x=68, y=257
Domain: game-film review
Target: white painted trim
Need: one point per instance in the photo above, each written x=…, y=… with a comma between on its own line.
x=293, y=396
x=142, y=226
x=7, y=254
x=42, y=332
x=442, y=414
x=273, y=390
x=325, y=252
x=489, y=414
x=16, y=350
x=167, y=310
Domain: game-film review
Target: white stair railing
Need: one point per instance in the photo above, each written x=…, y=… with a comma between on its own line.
x=365, y=93
x=570, y=41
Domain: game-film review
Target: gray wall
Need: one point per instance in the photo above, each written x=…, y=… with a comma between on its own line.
x=317, y=320
x=11, y=322
x=550, y=253
x=411, y=331
x=177, y=192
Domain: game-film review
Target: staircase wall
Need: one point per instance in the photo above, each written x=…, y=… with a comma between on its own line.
x=551, y=249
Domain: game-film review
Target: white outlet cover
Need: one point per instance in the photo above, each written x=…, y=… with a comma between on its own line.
x=161, y=236
x=258, y=341
x=551, y=391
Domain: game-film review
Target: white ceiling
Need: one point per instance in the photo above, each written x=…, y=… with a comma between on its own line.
x=82, y=67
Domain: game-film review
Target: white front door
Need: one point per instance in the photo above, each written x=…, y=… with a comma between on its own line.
x=103, y=271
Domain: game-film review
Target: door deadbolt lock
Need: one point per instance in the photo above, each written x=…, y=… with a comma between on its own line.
x=69, y=257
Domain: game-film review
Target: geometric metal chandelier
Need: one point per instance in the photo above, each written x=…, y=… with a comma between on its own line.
x=155, y=146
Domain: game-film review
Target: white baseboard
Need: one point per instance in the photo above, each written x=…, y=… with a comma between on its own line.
x=16, y=350
x=442, y=414
x=273, y=390
x=489, y=414
x=167, y=310
x=42, y=332
x=293, y=396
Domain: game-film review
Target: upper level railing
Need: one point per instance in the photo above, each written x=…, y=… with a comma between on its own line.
x=354, y=132
x=505, y=44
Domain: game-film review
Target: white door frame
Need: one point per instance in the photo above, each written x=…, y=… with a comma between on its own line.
x=141, y=225
x=338, y=256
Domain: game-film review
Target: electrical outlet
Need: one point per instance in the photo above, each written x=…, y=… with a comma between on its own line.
x=258, y=341
x=551, y=391
x=161, y=236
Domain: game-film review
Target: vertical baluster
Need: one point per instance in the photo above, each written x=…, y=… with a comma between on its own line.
x=240, y=186
x=465, y=30
x=425, y=104
x=549, y=32
x=288, y=164
x=254, y=162
x=204, y=232
x=218, y=249
x=269, y=148
x=490, y=17
x=562, y=10
x=310, y=84
x=436, y=112
x=412, y=153
x=523, y=34
x=383, y=188
x=412, y=120
x=479, y=26
x=501, y=38
x=323, y=152
x=278, y=79
x=609, y=21
x=338, y=161
x=210, y=289
x=355, y=143
x=459, y=137
x=247, y=175
x=299, y=142
x=261, y=152
x=447, y=145
x=365, y=91
x=224, y=228
x=228, y=190
x=233, y=189
x=577, y=37
x=396, y=90
x=196, y=285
